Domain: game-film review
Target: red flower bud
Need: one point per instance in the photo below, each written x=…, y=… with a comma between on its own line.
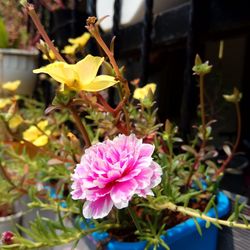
x=7, y=238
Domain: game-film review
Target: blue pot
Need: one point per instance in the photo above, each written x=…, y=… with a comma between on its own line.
x=184, y=236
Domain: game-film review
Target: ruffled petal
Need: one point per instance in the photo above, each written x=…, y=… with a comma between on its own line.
x=97, y=209
x=123, y=191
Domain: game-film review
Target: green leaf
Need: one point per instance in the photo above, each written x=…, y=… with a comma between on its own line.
x=208, y=224
x=3, y=35
x=197, y=226
x=210, y=204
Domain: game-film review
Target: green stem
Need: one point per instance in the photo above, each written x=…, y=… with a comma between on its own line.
x=197, y=214
x=135, y=219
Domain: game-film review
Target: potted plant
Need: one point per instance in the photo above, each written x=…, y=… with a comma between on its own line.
x=122, y=178
x=17, y=55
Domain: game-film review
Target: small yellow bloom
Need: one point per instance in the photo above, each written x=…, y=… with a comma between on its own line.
x=11, y=86
x=141, y=93
x=80, y=41
x=80, y=76
x=37, y=135
x=4, y=102
x=70, y=49
x=41, y=141
x=235, y=97
x=51, y=56
x=15, y=121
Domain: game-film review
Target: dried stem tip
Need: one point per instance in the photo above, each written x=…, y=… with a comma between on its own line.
x=91, y=20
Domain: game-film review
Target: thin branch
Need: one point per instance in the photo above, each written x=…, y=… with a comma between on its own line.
x=197, y=214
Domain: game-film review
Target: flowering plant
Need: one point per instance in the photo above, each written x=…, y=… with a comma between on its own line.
x=114, y=169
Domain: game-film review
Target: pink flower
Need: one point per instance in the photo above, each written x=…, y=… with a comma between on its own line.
x=110, y=173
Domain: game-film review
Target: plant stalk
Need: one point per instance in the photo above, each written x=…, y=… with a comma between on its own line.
x=32, y=13
x=236, y=144
x=197, y=214
x=203, y=115
x=80, y=127
x=135, y=220
x=93, y=29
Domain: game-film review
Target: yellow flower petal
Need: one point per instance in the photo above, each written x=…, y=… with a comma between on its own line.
x=31, y=134
x=15, y=121
x=81, y=40
x=42, y=124
x=11, y=86
x=34, y=134
x=235, y=97
x=87, y=68
x=41, y=141
x=47, y=132
x=79, y=76
x=150, y=87
x=4, y=102
x=70, y=49
x=60, y=71
x=100, y=83
x=141, y=93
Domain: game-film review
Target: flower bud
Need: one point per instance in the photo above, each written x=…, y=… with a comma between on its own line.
x=201, y=68
x=7, y=238
x=235, y=97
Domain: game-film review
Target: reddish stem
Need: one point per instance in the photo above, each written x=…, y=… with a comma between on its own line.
x=31, y=11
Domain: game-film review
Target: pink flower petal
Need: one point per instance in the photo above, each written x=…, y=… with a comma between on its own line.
x=97, y=209
x=123, y=191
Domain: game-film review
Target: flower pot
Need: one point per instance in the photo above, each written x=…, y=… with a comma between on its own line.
x=8, y=223
x=130, y=13
x=17, y=64
x=182, y=236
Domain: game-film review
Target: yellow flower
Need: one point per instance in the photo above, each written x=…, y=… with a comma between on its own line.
x=11, y=86
x=4, y=102
x=15, y=121
x=51, y=56
x=235, y=97
x=70, y=49
x=81, y=40
x=37, y=135
x=141, y=93
x=79, y=76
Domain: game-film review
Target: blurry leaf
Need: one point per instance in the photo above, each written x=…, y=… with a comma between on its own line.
x=198, y=227
x=54, y=162
x=208, y=224
x=189, y=149
x=3, y=35
x=210, y=204
x=227, y=150
x=50, y=109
